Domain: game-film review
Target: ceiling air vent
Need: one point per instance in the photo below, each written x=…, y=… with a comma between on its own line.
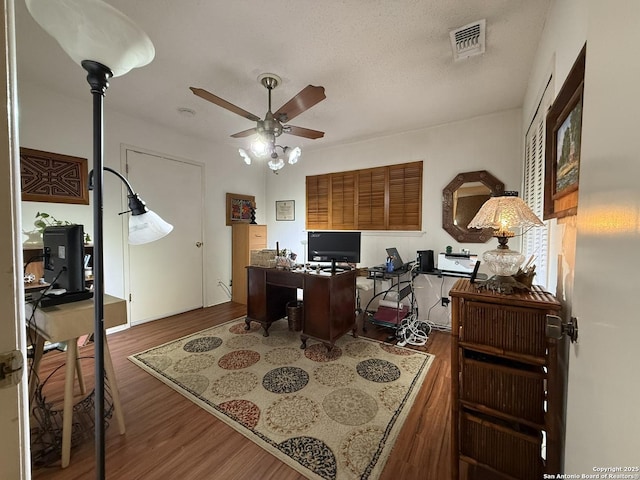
x=468, y=41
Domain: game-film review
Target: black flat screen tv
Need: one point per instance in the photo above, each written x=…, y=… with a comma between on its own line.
x=325, y=246
x=64, y=257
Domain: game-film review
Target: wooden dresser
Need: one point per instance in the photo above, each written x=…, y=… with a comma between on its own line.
x=508, y=383
x=245, y=237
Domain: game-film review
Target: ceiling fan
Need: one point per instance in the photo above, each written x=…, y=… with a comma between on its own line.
x=274, y=124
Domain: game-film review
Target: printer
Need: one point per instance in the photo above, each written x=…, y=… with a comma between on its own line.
x=457, y=264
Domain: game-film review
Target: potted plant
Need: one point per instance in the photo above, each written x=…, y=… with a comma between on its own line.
x=42, y=221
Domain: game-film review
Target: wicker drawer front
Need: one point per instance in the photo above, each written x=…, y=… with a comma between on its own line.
x=512, y=329
x=516, y=392
x=500, y=447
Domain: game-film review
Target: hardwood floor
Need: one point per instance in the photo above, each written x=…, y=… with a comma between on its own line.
x=169, y=437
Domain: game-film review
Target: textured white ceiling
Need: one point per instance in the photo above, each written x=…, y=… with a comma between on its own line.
x=386, y=65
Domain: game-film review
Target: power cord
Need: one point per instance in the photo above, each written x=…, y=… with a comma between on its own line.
x=412, y=331
x=225, y=288
x=31, y=328
x=432, y=325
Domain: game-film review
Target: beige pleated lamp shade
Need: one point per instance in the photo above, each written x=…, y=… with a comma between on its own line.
x=504, y=213
x=94, y=30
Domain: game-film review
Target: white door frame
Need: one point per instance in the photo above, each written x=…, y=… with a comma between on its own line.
x=15, y=451
x=125, y=225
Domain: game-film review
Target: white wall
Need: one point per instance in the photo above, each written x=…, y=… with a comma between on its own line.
x=491, y=142
x=596, y=278
x=55, y=123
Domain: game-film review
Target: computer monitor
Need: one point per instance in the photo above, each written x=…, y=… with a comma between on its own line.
x=326, y=246
x=64, y=257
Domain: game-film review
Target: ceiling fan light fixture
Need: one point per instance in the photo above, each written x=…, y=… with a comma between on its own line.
x=293, y=154
x=245, y=156
x=275, y=164
x=259, y=148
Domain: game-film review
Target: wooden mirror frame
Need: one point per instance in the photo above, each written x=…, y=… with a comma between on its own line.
x=463, y=235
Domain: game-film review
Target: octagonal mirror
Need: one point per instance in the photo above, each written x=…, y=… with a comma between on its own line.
x=461, y=200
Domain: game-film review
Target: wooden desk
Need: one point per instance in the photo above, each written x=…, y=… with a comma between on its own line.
x=329, y=301
x=65, y=323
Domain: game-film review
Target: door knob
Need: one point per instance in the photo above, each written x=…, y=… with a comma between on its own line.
x=198, y=244
x=556, y=328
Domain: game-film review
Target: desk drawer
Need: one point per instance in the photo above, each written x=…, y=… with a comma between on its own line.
x=257, y=237
x=285, y=278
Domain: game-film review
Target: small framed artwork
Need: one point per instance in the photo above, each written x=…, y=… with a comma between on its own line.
x=285, y=210
x=53, y=177
x=239, y=208
x=562, y=149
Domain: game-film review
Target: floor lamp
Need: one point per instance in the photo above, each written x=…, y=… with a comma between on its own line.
x=106, y=44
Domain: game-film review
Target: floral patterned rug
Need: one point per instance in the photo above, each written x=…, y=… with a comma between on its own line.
x=328, y=414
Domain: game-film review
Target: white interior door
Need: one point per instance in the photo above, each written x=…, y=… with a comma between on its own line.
x=166, y=277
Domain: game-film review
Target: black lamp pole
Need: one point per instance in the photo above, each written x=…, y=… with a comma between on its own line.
x=98, y=78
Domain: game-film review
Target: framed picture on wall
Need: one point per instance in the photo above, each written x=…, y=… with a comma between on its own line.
x=285, y=210
x=239, y=208
x=563, y=142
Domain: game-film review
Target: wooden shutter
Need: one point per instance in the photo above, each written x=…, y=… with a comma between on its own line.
x=371, y=199
x=318, y=202
x=405, y=196
x=381, y=198
x=343, y=196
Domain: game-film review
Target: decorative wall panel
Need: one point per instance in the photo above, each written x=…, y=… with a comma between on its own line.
x=53, y=177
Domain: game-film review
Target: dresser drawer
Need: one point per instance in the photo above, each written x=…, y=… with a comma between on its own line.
x=505, y=386
x=507, y=328
x=498, y=445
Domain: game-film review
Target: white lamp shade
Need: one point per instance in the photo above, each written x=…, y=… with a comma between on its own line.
x=259, y=148
x=245, y=156
x=94, y=30
x=276, y=164
x=294, y=155
x=147, y=228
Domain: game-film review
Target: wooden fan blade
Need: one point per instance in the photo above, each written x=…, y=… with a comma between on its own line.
x=223, y=103
x=244, y=133
x=303, y=101
x=304, y=132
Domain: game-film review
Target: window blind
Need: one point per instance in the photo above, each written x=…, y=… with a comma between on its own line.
x=535, y=241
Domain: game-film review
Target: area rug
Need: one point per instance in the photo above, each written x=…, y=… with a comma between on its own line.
x=328, y=414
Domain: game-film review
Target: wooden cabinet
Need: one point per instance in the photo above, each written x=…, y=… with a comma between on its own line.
x=245, y=237
x=508, y=383
x=329, y=307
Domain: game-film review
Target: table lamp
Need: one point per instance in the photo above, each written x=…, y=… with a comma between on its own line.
x=502, y=214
